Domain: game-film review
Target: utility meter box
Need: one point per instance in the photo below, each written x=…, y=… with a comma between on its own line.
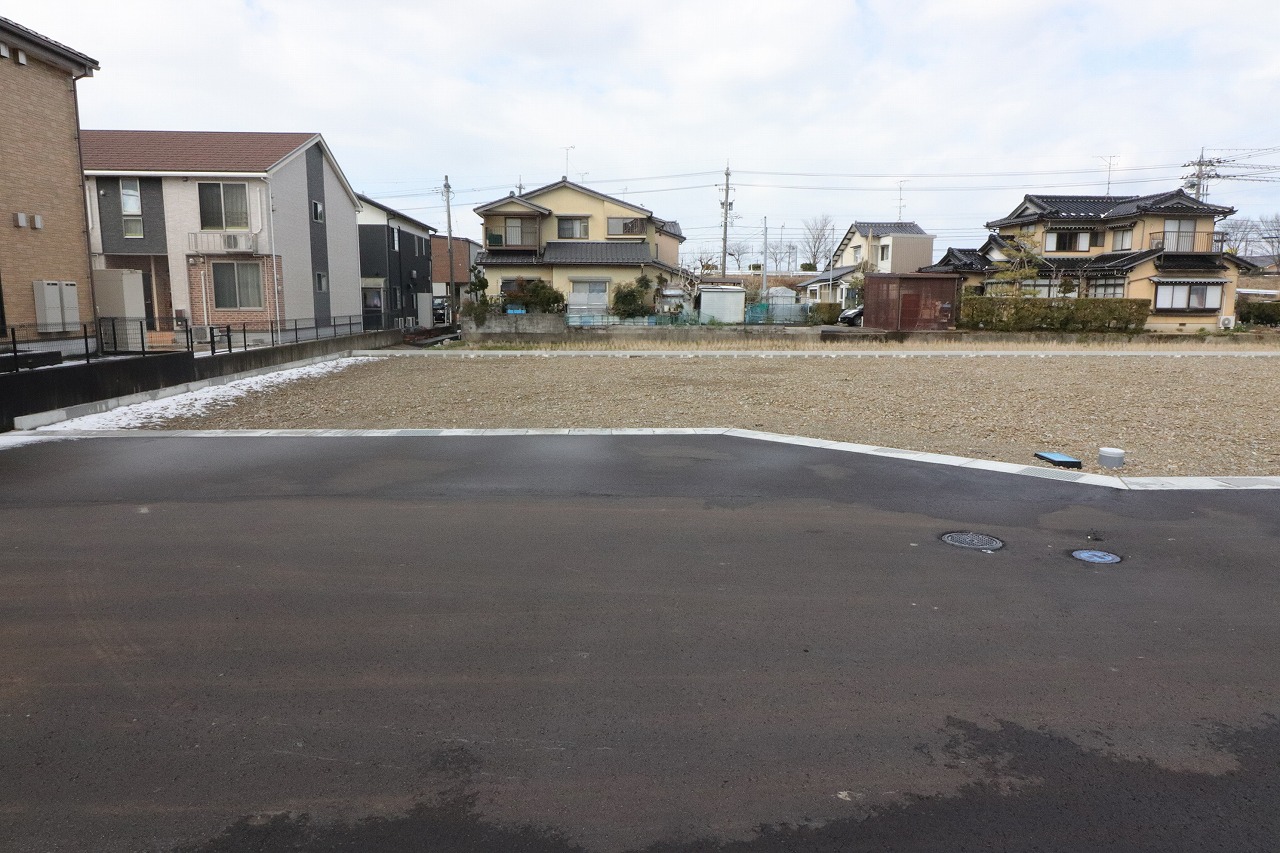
x=57, y=306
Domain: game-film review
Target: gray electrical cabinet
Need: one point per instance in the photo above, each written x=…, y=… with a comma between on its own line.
x=57, y=306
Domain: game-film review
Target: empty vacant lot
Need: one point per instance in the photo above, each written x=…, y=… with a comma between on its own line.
x=1173, y=414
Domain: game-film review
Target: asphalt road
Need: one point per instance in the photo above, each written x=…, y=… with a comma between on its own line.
x=665, y=643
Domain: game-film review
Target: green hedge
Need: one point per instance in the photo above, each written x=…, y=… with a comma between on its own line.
x=1032, y=314
x=825, y=313
x=1258, y=313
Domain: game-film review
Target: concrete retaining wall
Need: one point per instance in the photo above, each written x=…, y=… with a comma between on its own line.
x=37, y=397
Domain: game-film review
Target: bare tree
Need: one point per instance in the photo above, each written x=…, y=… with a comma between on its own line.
x=780, y=256
x=1239, y=235
x=737, y=251
x=817, y=242
x=1268, y=236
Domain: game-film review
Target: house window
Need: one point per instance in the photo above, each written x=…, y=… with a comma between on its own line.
x=322, y=282
x=237, y=285
x=395, y=239
x=1066, y=241
x=590, y=296
x=224, y=207
x=1122, y=240
x=857, y=254
x=1179, y=235
x=317, y=211
x=623, y=227
x=572, y=228
x=884, y=253
x=1188, y=297
x=520, y=231
x=1106, y=288
x=1027, y=229
x=130, y=207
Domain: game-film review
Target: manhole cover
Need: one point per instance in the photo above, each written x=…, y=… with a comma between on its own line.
x=1091, y=556
x=981, y=541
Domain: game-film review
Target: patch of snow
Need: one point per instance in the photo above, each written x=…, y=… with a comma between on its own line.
x=195, y=403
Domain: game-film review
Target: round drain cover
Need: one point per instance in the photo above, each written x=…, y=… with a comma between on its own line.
x=981, y=541
x=1091, y=556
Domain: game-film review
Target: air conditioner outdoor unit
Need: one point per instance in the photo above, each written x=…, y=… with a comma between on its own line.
x=1226, y=322
x=200, y=334
x=232, y=242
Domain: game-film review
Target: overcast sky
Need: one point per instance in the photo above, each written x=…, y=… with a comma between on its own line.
x=818, y=106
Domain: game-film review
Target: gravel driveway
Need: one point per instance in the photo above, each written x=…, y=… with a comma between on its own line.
x=1174, y=415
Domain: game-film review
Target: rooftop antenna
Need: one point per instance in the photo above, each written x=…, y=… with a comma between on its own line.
x=1109, y=158
x=567, y=149
x=520, y=185
x=582, y=176
x=901, y=204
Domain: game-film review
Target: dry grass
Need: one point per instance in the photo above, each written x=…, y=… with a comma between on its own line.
x=1173, y=415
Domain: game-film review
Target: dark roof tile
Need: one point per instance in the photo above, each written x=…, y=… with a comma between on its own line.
x=187, y=151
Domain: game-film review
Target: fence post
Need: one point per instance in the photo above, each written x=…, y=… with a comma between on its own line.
x=295, y=331
x=84, y=330
x=244, y=336
x=213, y=340
x=142, y=332
x=191, y=342
x=13, y=344
x=273, y=332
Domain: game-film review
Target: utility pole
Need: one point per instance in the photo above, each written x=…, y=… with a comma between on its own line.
x=764, y=267
x=726, y=206
x=448, y=218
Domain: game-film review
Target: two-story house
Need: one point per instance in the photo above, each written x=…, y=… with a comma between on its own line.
x=884, y=247
x=395, y=266
x=584, y=243
x=44, y=254
x=1161, y=247
x=228, y=227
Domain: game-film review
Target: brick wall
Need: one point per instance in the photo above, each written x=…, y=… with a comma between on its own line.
x=200, y=286
x=40, y=173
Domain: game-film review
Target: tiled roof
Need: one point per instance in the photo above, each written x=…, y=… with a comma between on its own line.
x=954, y=260
x=499, y=259
x=1105, y=207
x=830, y=275
x=1189, y=262
x=597, y=253
x=56, y=48
x=187, y=151
x=879, y=229
x=670, y=226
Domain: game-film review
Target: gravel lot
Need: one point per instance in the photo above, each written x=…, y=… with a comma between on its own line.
x=1173, y=415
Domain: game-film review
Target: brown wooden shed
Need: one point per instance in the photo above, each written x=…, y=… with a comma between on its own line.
x=910, y=301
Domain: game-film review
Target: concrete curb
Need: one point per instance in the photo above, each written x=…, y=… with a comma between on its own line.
x=1056, y=474
x=437, y=353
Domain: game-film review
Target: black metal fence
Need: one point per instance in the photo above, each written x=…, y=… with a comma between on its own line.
x=33, y=345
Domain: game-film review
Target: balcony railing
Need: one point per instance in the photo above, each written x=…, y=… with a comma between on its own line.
x=222, y=242
x=1185, y=241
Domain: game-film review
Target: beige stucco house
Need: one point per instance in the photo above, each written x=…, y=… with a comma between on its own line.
x=584, y=243
x=1161, y=247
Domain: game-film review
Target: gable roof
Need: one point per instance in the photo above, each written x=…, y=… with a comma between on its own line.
x=49, y=50
x=830, y=275
x=364, y=199
x=526, y=199
x=516, y=199
x=188, y=150
x=1036, y=207
x=880, y=229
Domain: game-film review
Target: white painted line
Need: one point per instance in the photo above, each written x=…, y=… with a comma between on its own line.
x=1053, y=474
